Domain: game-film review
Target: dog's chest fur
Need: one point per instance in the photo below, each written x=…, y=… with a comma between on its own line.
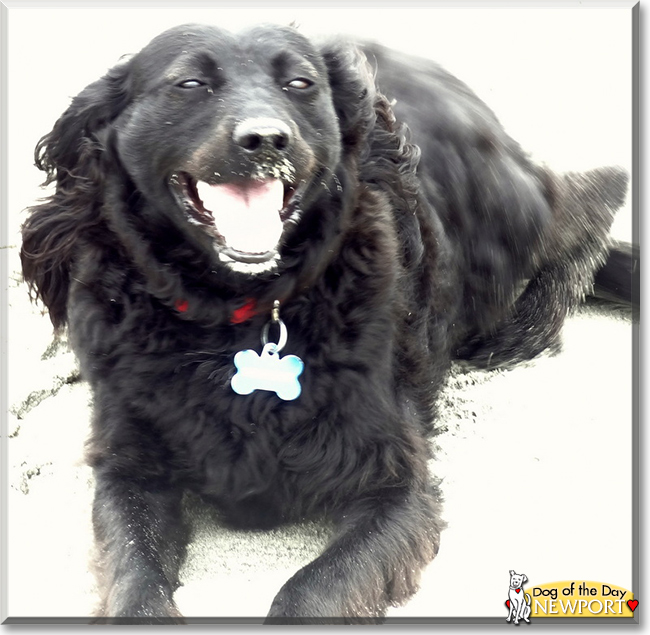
x=252, y=451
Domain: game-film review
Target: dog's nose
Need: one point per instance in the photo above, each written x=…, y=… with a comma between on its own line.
x=262, y=134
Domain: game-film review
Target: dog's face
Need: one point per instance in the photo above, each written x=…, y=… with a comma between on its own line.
x=227, y=134
x=517, y=580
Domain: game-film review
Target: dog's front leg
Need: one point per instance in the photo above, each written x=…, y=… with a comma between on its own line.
x=517, y=612
x=141, y=542
x=374, y=561
x=521, y=608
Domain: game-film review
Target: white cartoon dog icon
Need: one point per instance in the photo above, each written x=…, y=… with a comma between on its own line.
x=518, y=600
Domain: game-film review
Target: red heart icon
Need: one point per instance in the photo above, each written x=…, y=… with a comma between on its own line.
x=517, y=590
x=633, y=604
x=508, y=603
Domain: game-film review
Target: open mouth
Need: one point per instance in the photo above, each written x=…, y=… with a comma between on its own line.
x=246, y=218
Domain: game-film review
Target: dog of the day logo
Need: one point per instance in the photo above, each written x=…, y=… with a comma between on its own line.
x=570, y=598
x=518, y=601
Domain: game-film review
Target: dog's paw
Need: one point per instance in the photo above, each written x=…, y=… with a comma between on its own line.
x=133, y=619
x=158, y=611
x=291, y=606
x=302, y=604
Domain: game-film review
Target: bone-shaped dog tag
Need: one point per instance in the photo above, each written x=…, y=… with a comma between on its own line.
x=267, y=371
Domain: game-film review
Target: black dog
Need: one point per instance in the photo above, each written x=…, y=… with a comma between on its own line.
x=217, y=190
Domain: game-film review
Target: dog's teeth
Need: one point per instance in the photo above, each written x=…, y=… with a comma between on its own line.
x=251, y=268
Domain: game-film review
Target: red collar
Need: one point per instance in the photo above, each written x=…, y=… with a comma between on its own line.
x=242, y=314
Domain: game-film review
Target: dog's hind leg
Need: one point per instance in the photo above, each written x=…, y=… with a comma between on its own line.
x=374, y=561
x=573, y=248
x=141, y=541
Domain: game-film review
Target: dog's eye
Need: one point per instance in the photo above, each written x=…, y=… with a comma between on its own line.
x=300, y=83
x=191, y=83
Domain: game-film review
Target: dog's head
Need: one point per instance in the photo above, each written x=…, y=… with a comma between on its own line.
x=517, y=580
x=229, y=134
x=229, y=139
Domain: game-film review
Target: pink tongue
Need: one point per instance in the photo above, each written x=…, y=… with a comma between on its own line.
x=247, y=216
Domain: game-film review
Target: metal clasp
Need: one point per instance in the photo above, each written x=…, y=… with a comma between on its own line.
x=271, y=347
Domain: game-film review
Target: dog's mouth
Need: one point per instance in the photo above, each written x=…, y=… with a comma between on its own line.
x=246, y=219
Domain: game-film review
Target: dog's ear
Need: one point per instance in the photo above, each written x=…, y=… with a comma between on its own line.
x=353, y=90
x=60, y=153
x=512, y=572
x=70, y=155
x=524, y=578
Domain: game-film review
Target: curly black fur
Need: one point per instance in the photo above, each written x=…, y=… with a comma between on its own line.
x=414, y=246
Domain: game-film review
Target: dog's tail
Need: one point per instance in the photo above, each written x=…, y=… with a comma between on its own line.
x=619, y=279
